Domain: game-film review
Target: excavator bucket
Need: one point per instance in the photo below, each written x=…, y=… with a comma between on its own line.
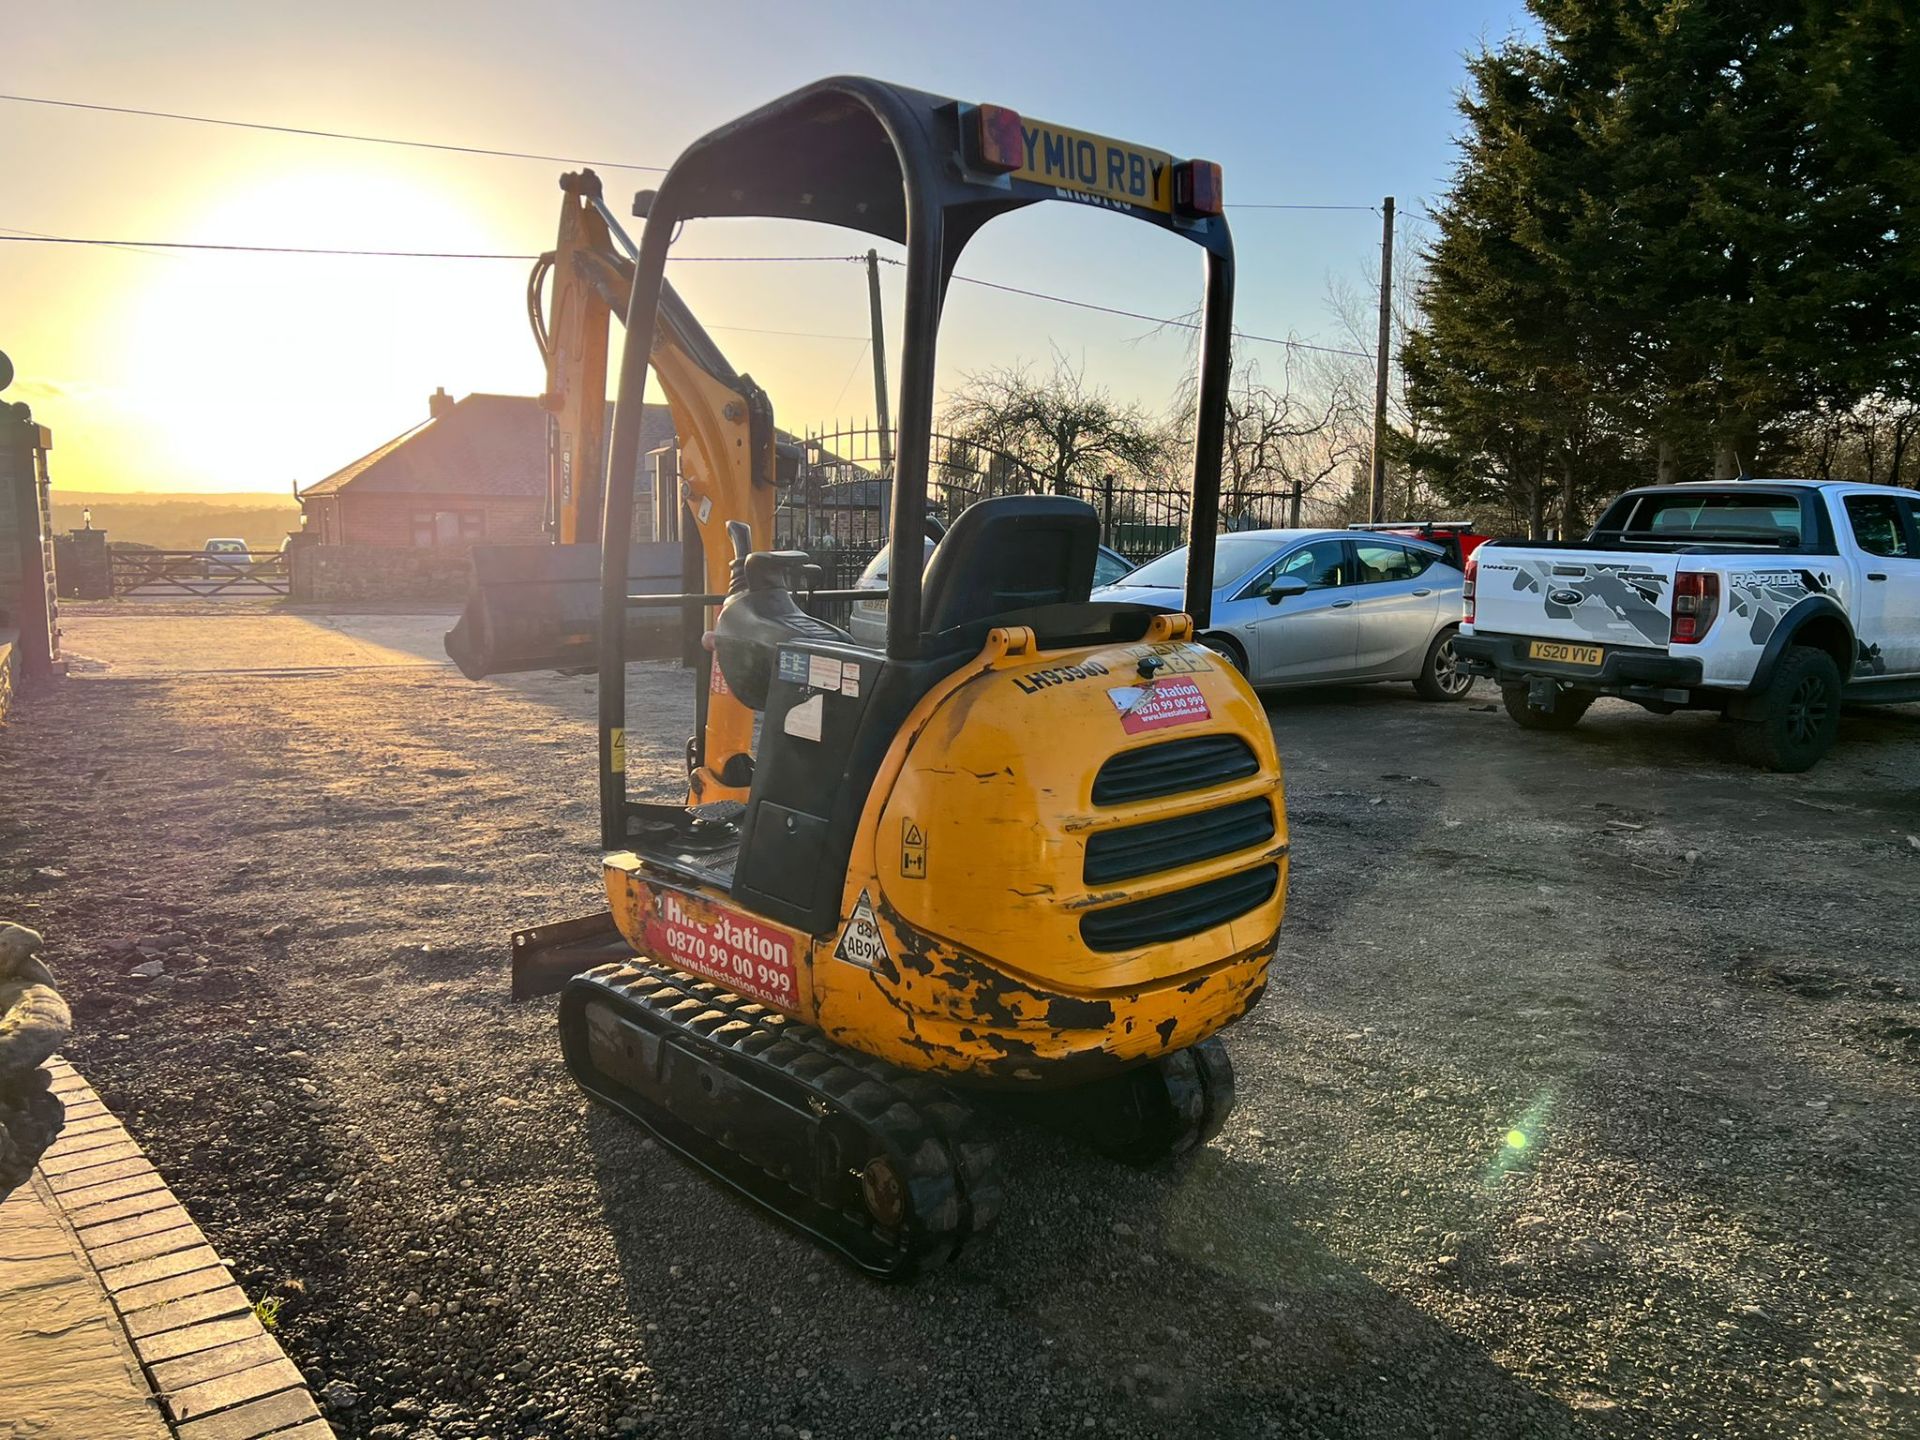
x=537, y=607
x=545, y=957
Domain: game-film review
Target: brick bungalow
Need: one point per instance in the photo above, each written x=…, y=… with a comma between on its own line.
x=474, y=471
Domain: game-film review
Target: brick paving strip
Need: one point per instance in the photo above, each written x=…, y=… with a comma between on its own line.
x=214, y=1369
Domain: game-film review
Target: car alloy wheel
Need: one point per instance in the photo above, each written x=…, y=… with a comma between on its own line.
x=1807, y=709
x=1447, y=674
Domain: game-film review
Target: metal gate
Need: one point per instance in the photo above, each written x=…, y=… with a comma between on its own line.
x=180, y=574
x=838, y=508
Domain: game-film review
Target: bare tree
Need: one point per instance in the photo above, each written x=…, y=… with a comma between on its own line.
x=1065, y=432
x=1280, y=443
x=1871, y=441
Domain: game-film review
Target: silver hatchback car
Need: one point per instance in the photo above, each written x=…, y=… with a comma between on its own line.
x=1322, y=607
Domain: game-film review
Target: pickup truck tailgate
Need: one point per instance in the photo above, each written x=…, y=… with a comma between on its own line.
x=1596, y=596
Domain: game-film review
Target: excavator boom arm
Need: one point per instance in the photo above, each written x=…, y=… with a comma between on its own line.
x=724, y=426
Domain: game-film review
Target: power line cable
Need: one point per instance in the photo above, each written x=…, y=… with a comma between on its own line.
x=35, y=238
x=456, y=149
x=791, y=334
x=855, y=370
x=28, y=238
x=1154, y=319
x=330, y=134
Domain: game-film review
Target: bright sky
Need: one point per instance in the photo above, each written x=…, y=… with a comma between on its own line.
x=198, y=372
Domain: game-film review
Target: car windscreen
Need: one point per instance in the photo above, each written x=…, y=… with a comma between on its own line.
x=1233, y=557
x=874, y=577
x=1707, y=516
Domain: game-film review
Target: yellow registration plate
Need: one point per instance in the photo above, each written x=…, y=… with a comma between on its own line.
x=1092, y=165
x=1588, y=655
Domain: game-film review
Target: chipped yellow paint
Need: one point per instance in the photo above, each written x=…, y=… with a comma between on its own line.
x=986, y=974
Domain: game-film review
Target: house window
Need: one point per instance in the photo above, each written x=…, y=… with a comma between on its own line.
x=447, y=527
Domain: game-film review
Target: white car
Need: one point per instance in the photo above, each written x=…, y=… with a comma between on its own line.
x=867, y=622
x=1293, y=608
x=221, y=559
x=1774, y=602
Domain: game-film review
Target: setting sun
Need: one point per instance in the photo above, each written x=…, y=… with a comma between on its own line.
x=286, y=359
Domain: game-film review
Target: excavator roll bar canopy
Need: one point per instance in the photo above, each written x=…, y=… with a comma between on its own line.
x=927, y=172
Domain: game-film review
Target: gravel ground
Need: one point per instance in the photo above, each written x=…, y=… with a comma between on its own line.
x=1585, y=1099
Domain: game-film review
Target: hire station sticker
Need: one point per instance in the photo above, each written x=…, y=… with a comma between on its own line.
x=728, y=946
x=1172, y=701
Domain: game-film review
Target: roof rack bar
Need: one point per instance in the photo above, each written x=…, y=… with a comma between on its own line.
x=1411, y=525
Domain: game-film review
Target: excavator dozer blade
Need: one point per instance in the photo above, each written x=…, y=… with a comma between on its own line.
x=547, y=956
x=537, y=607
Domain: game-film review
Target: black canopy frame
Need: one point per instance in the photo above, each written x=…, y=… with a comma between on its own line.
x=887, y=161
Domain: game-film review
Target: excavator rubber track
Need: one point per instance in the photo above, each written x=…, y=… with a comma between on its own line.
x=1151, y=1114
x=883, y=1165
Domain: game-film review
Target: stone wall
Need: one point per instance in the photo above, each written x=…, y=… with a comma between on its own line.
x=9, y=671
x=83, y=565
x=389, y=519
x=377, y=572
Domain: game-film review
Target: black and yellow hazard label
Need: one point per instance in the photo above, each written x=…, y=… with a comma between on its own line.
x=861, y=942
x=913, y=851
x=617, y=752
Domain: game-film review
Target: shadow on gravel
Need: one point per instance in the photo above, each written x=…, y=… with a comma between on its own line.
x=1614, y=733
x=1194, y=1301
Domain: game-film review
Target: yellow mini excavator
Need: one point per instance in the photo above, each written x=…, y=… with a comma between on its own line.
x=1036, y=843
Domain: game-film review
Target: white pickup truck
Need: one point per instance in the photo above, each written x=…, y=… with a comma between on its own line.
x=1770, y=601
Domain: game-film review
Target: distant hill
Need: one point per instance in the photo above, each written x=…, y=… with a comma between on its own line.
x=180, y=522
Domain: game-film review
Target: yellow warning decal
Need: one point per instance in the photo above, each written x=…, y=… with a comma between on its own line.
x=618, y=751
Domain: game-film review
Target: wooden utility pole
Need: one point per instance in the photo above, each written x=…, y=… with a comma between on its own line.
x=1377, y=507
x=879, y=366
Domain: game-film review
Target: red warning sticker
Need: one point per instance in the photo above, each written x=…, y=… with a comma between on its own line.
x=1175, y=700
x=744, y=954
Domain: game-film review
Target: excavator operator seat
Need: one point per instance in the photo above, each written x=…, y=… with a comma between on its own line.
x=1011, y=553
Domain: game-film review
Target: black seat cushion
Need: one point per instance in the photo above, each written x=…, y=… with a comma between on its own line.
x=1010, y=553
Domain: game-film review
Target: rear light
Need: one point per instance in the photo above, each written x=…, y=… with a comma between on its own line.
x=1196, y=188
x=1468, y=587
x=1696, y=601
x=996, y=140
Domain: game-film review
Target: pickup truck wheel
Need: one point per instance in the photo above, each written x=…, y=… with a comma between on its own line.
x=1441, y=677
x=1799, y=714
x=1568, y=707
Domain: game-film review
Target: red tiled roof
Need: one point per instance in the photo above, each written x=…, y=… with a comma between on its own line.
x=485, y=445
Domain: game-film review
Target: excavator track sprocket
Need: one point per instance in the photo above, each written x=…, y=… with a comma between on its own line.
x=1154, y=1112
x=883, y=1165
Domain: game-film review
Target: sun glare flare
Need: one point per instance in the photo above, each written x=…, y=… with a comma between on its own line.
x=317, y=356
